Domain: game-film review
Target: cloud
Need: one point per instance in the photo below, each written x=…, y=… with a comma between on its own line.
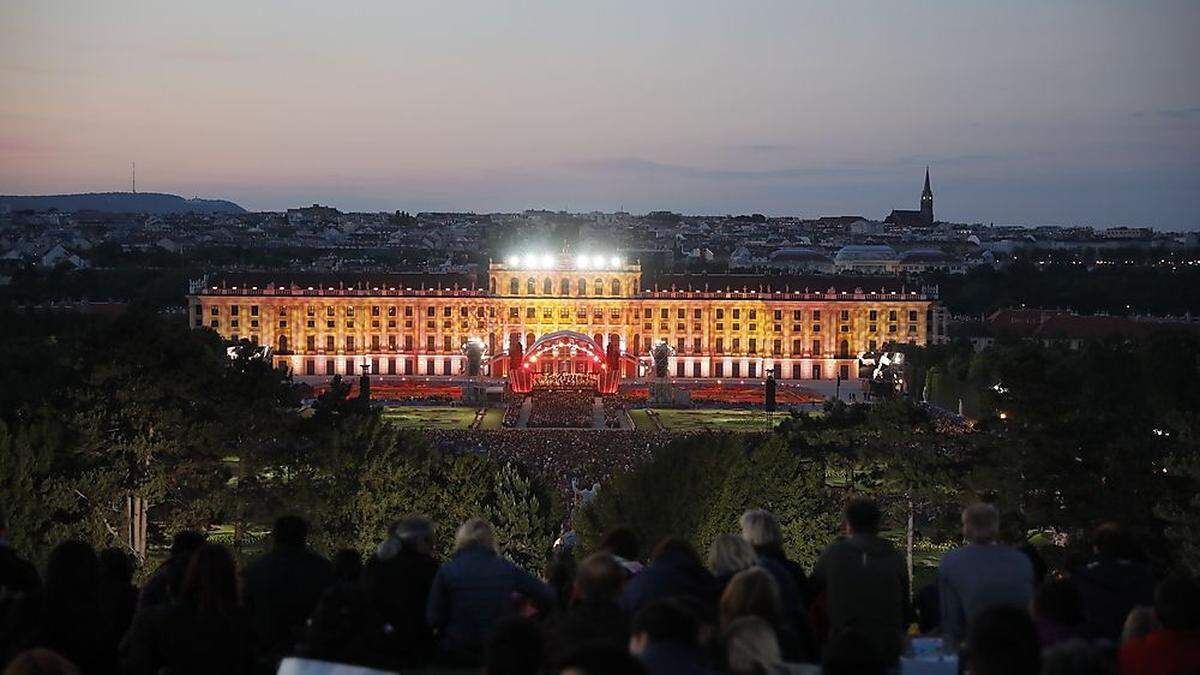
x=1180, y=113
x=638, y=165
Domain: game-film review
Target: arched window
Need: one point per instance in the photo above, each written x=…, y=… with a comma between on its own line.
x=283, y=343
x=844, y=349
x=547, y=286
x=599, y=287
x=493, y=286
x=528, y=340
x=582, y=286
x=616, y=287
x=514, y=286
x=565, y=287
x=531, y=286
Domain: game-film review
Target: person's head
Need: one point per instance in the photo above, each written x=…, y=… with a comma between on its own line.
x=1110, y=541
x=862, y=516
x=1177, y=603
x=1002, y=640
x=751, y=647
x=185, y=543
x=72, y=571
x=290, y=531
x=622, y=542
x=599, y=578
x=345, y=627
x=674, y=546
x=117, y=566
x=751, y=592
x=981, y=523
x=1058, y=600
x=475, y=533
x=1140, y=622
x=850, y=652
x=414, y=533
x=1076, y=657
x=40, y=661
x=730, y=553
x=513, y=648
x=210, y=583
x=600, y=659
x=761, y=529
x=347, y=565
x=663, y=622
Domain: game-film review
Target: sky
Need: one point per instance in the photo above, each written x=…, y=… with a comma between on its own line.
x=1080, y=112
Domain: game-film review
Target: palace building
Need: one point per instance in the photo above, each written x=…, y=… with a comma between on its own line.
x=553, y=314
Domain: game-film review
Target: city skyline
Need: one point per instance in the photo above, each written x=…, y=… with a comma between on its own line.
x=1070, y=113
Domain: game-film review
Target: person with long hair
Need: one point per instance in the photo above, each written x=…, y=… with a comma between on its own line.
x=754, y=592
x=205, y=631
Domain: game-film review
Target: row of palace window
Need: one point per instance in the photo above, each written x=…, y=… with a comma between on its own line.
x=564, y=287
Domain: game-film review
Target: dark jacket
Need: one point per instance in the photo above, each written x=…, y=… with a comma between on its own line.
x=665, y=658
x=76, y=627
x=18, y=578
x=179, y=639
x=1109, y=588
x=399, y=588
x=794, y=570
x=586, y=622
x=866, y=586
x=281, y=590
x=165, y=580
x=470, y=592
x=671, y=575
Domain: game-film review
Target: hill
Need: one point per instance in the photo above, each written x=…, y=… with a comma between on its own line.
x=120, y=202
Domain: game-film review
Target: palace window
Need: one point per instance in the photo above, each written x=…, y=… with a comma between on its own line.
x=719, y=347
x=215, y=311
x=564, y=287
x=349, y=343
x=737, y=345
x=753, y=347
x=720, y=314
x=310, y=343
x=329, y=345
x=374, y=310
x=816, y=315
x=616, y=287
x=547, y=286
x=530, y=286
x=253, y=310
x=816, y=328
x=581, y=286
x=514, y=286
x=845, y=315
x=737, y=313
x=873, y=315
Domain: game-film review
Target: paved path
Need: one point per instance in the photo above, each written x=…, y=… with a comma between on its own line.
x=598, y=413
x=523, y=416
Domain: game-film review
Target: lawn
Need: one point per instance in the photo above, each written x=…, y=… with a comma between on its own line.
x=492, y=419
x=641, y=420
x=430, y=417
x=715, y=420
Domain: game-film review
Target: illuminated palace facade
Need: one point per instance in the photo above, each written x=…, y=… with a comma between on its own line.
x=715, y=326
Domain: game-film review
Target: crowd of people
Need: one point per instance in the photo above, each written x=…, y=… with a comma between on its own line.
x=561, y=456
x=569, y=408
x=565, y=381
x=745, y=609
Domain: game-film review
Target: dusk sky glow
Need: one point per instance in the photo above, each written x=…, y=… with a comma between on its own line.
x=1046, y=112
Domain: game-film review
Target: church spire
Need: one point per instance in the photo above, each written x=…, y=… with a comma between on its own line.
x=927, y=201
x=926, y=192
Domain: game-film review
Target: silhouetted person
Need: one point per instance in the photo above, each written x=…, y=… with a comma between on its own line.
x=1001, y=640
x=40, y=662
x=397, y=579
x=594, y=615
x=164, y=582
x=1111, y=584
x=1057, y=612
x=665, y=637
x=347, y=628
x=674, y=570
x=623, y=544
x=204, y=631
x=475, y=589
x=65, y=615
x=600, y=659
x=1174, y=648
x=761, y=529
x=347, y=566
x=513, y=648
x=851, y=652
x=981, y=574
x=282, y=587
x=18, y=577
x=865, y=582
x=117, y=593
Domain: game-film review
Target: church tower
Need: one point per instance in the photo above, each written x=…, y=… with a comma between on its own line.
x=927, y=201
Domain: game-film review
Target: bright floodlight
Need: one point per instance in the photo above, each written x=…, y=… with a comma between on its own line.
x=597, y=261
x=547, y=261
x=514, y=261
x=614, y=261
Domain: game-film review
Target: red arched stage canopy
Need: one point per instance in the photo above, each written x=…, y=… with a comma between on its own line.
x=565, y=351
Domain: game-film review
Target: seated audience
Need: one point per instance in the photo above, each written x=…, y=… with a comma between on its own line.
x=1173, y=649
x=65, y=615
x=283, y=586
x=674, y=570
x=865, y=581
x=163, y=584
x=204, y=631
x=665, y=637
x=1002, y=640
x=40, y=662
x=513, y=648
x=753, y=592
x=1057, y=612
x=397, y=579
x=728, y=555
x=475, y=589
x=1111, y=583
x=594, y=615
x=981, y=574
